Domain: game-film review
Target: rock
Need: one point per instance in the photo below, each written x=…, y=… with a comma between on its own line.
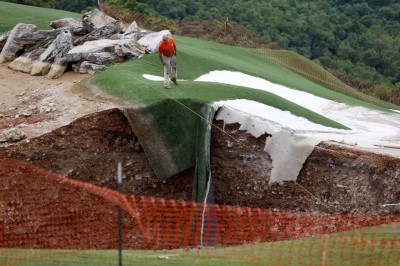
x=115, y=36
x=90, y=68
x=25, y=62
x=3, y=39
x=102, y=33
x=150, y=41
x=76, y=27
x=25, y=113
x=102, y=58
x=57, y=50
x=76, y=66
x=128, y=49
x=132, y=33
x=57, y=68
x=11, y=49
x=30, y=38
x=96, y=19
x=12, y=135
x=46, y=42
x=81, y=52
x=40, y=68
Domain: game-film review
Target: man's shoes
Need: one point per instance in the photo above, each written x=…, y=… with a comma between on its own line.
x=174, y=81
x=167, y=87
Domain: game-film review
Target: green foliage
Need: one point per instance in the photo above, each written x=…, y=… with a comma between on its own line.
x=135, y=6
x=76, y=5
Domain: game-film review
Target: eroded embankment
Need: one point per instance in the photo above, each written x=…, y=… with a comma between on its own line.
x=342, y=180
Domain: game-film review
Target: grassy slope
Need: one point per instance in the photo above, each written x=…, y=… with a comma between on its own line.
x=310, y=70
x=195, y=58
x=367, y=246
x=11, y=14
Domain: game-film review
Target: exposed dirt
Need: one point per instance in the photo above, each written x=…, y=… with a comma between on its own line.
x=89, y=150
x=62, y=139
x=341, y=179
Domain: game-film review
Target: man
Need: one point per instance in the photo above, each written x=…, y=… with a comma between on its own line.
x=167, y=54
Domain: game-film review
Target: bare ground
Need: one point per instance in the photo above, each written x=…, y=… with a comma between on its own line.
x=81, y=133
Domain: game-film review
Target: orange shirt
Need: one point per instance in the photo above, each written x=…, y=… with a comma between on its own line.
x=167, y=49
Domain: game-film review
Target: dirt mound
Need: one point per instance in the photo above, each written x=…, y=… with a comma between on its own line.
x=90, y=148
x=334, y=179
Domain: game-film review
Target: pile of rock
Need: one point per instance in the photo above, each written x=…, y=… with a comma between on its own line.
x=88, y=46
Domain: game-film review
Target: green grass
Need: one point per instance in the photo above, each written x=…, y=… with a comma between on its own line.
x=195, y=58
x=314, y=72
x=12, y=14
x=367, y=246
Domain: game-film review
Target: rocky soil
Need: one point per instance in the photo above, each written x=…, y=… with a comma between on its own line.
x=77, y=131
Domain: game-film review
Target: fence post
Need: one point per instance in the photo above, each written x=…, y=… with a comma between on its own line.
x=119, y=187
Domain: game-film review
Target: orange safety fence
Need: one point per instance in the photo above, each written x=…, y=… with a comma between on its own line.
x=42, y=210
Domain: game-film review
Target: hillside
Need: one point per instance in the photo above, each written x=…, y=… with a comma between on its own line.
x=325, y=136
x=228, y=31
x=345, y=35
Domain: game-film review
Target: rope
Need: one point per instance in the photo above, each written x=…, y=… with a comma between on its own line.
x=203, y=216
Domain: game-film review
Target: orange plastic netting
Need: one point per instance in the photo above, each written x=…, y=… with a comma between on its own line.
x=42, y=210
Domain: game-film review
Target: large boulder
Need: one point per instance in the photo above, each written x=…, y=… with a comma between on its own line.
x=90, y=68
x=12, y=49
x=102, y=58
x=25, y=62
x=150, y=41
x=57, y=50
x=31, y=38
x=81, y=52
x=57, y=68
x=71, y=24
x=40, y=43
x=101, y=33
x=129, y=49
x=96, y=19
x=132, y=33
x=3, y=39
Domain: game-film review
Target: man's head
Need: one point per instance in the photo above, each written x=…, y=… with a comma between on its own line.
x=165, y=38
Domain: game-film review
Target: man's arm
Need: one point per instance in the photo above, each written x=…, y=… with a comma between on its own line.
x=175, y=48
x=160, y=54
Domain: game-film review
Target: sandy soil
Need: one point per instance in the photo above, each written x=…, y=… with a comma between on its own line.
x=37, y=105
